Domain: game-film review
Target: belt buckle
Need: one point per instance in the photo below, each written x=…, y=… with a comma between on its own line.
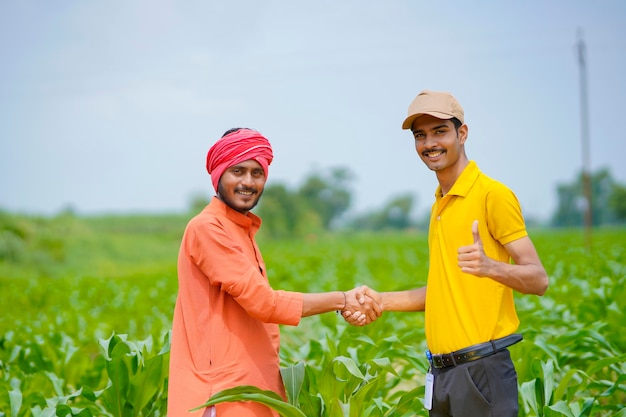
x=438, y=361
x=443, y=361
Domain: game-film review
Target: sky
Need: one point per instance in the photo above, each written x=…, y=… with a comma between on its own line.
x=111, y=106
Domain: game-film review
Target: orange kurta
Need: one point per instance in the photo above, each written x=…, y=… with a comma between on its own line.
x=225, y=330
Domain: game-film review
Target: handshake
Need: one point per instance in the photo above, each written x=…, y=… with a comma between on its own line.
x=363, y=306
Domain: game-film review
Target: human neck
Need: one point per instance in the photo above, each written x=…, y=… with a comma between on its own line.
x=447, y=177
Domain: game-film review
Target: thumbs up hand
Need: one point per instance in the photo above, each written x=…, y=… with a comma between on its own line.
x=476, y=234
x=472, y=258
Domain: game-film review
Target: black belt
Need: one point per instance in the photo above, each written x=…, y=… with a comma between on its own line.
x=472, y=353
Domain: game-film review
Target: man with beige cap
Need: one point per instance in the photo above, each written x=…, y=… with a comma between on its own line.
x=476, y=229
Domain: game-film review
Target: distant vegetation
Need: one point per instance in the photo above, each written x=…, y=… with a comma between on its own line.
x=323, y=202
x=87, y=304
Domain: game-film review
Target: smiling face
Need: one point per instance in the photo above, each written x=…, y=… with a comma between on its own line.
x=241, y=185
x=440, y=145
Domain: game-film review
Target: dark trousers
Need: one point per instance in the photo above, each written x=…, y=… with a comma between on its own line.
x=486, y=387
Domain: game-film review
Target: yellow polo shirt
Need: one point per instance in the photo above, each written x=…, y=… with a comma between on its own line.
x=462, y=309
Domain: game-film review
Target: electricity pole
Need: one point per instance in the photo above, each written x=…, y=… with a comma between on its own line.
x=584, y=136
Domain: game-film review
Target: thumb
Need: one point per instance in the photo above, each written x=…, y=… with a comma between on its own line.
x=475, y=233
x=361, y=292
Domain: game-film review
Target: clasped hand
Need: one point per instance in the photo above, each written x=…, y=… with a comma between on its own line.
x=363, y=306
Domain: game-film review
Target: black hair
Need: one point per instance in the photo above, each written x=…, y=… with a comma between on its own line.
x=457, y=123
x=232, y=130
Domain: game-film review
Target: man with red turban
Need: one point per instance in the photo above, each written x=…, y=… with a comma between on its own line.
x=225, y=329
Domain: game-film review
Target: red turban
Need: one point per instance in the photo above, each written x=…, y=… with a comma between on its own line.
x=236, y=147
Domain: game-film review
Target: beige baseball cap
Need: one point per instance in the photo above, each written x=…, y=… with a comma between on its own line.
x=439, y=104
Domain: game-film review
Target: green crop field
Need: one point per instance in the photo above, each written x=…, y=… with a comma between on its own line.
x=86, y=308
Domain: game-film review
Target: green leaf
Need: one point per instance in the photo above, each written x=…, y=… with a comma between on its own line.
x=335, y=408
x=310, y=405
x=349, y=365
x=146, y=383
x=360, y=400
x=409, y=401
x=621, y=413
x=167, y=341
x=293, y=378
x=48, y=412
x=89, y=394
x=331, y=346
x=548, y=381
x=587, y=407
x=251, y=393
x=561, y=389
x=384, y=364
x=338, y=378
x=615, y=386
x=559, y=409
x=63, y=410
x=529, y=393
x=603, y=363
x=15, y=399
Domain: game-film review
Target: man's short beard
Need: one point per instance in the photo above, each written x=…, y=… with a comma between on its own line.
x=229, y=202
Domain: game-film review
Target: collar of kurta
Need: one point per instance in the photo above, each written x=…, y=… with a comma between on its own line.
x=249, y=220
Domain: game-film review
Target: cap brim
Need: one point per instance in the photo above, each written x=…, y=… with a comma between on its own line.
x=408, y=122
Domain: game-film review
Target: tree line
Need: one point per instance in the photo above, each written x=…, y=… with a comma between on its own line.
x=608, y=201
x=322, y=203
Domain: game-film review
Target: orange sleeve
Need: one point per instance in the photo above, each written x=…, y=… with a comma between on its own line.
x=236, y=266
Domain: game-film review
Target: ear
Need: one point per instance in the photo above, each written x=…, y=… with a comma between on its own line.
x=463, y=132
